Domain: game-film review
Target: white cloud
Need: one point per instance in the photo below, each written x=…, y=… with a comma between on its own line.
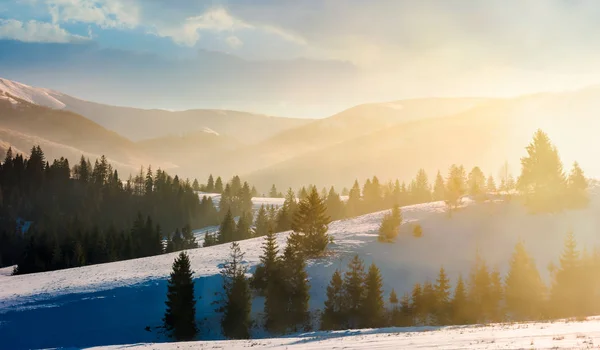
x=234, y=41
x=104, y=13
x=34, y=31
x=216, y=20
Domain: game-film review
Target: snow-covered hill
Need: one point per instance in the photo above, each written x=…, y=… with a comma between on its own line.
x=39, y=96
x=555, y=335
x=114, y=303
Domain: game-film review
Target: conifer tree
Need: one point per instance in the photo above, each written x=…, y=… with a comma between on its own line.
x=310, y=225
x=421, y=192
x=476, y=184
x=442, y=296
x=416, y=304
x=237, y=298
x=577, y=188
x=286, y=215
x=480, y=291
x=439, y=189
x=354, y=292
x=395, y=314
x=390, y=225
x=429, y=303
x=455, y=186
x=335, y=206
x=296, y=287
x=354, y=204
x=524, y=289
x=219, y=185
x=262, y=224
x=542, y=180
x=268, y=277
x=243, y=230
x=418, y=231
x=566, y=293
x=180, y=315
x=196, y=185
x=227, y=229
x=334, y=314
x=491, y=184
x=406, y=313
x=273, y=192
x=497, y=313
x=210, y=184
x=459, y=304
x=373, y=305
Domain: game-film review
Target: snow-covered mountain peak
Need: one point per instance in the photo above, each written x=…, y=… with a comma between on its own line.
x=9, y=90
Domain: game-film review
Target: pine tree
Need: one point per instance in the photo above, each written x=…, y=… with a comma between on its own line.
x=310, y=225
x=421, y=192
x=243, y=230
x=219, y=185
x=354, y=204
x=476, y=184
x=286, y=215
x=354, y=292
x=542, y=181
x=429, y=303
x=273, y=192
x=455, y=186
x=442, y=296
x=196, y=185
x=210, y=184
x=261, y=225
x=227, y=229
x=524, y=289
x=373, y=305
x=439, y=189
x=180, y=315
x=390, y=225
x=296, y=287
x=577, y=188
x=566, y=293
x=480, y=291
x=497, y=313
x=237, y=298
x=334, y=314
x=459, y=304
x=491, y=184
x=416, y=306
x=268, y=278
x=335, y=206
x=418, y=231
x=395, y=314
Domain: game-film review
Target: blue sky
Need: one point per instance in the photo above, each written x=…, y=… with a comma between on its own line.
x=297, y=58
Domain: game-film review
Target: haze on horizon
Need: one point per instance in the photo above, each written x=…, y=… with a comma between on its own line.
x=297, y=59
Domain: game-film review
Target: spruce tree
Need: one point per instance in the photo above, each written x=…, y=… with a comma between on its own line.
x=243, y=230
x=354, y=292
x=310, y=225
x=459, y=305
x=296, y=287
x=542, y=181
x=406, y=313
x=334, y=314
x=439, y=189
x=335, y=206
x=577, y=188
x=416, y=304
x=395, y=314
x=476, y=184
x=373, y=305
x=390, y=225
x=236, y=307
x=524, y=289
x=273, y=192
x=497, y=313
x=455, y=186
x=210, y=184
x=261, y=225
x=354, y=204
x=566, y=293
x=268, y=278
x=227, y=229
x=442, y=293
x=491, y=184
x=480, y=294
x=219, y=185
x=180, y=315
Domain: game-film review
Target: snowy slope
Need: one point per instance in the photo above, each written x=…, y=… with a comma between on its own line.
x=134, y=290
x=38, y=96
x=555, y=335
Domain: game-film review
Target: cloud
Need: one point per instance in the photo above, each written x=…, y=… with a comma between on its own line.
x=216, y=20
x=104, y=13
x=34, y=31
x=234, y=41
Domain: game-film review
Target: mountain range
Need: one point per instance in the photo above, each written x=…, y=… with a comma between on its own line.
x=390, y=140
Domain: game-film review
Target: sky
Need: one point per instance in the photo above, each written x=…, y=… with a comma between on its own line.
x=297, y=58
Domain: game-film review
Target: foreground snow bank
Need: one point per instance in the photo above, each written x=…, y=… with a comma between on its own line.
x=556, y=335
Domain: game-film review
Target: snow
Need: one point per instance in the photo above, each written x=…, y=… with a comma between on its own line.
x=556, y=335
x=43, y=97
x=55, y=303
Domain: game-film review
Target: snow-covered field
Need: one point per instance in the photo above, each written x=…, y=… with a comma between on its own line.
x=114, y=303
x=555, y=335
